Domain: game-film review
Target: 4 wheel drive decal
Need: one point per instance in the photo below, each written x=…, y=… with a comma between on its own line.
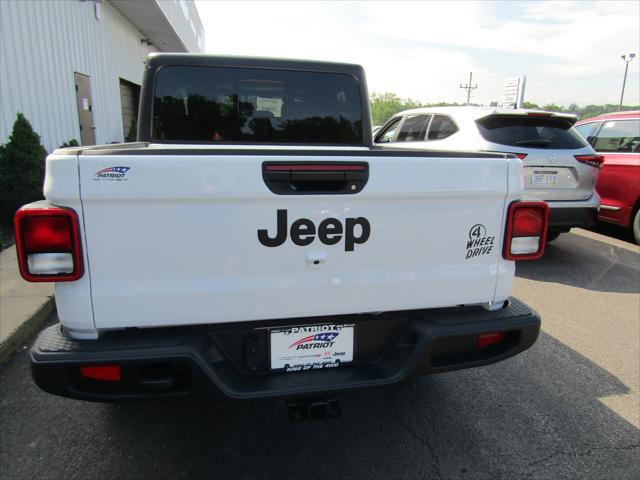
x=330, y=231
x=479, y=242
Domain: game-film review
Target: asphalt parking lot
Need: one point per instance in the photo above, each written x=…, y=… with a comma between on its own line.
x=567, y=408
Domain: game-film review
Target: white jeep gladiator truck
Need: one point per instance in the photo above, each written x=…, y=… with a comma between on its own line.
x=253, y=243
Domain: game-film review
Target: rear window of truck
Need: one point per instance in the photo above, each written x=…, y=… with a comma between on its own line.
x=223, y=104
x=530, y=132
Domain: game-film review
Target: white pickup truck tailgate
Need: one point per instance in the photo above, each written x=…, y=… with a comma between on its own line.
x=172, y=237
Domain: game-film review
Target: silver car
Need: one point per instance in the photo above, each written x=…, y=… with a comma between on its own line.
x=560, y=167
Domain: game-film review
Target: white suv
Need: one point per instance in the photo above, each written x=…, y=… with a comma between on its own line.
x=559, y=165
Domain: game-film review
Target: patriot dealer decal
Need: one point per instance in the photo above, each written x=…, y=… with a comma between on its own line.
x=311, y=347
x=112, y=173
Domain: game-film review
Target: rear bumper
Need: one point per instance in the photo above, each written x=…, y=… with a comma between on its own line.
x=389, y=348
x=567, y=218
x=566, y=215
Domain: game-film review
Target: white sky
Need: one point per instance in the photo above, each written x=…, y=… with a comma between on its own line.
x=569, y=51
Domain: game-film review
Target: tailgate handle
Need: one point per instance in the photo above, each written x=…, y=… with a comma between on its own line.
x=305, y=178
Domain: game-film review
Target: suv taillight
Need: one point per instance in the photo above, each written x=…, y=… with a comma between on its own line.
x=595, y=161
x=48, y=244
x=526, y=230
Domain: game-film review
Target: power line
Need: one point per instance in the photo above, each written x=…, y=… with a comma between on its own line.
x=468, y=87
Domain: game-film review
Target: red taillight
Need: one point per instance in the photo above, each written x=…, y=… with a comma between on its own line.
x=488, y=339
x=47, y=234
x=48, y=244
x=527, y=222
x=108, y=373
x=526, y=230
x=521, y=156
x=595, y=161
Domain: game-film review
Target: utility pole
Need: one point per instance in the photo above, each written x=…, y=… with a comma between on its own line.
x=468, y=87
x=624, y=81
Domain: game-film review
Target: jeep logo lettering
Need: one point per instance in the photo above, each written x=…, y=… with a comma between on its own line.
x=330, y=231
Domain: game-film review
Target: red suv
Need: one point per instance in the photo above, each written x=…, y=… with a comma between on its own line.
x=616, y=136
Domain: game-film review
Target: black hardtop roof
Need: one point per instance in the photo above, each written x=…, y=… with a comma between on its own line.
x=157, y=60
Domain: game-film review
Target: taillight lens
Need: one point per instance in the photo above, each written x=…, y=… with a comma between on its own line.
x=527, y=222
x=48, y=244
x=526, y=230
x=47, y=234
x=521, y=156
x=595, y=161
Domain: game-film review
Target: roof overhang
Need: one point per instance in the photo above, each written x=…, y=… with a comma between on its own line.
x=147, y=17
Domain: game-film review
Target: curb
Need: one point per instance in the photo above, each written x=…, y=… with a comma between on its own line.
x=26, y=329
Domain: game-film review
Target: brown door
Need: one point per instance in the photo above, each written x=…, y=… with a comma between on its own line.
x=85, y=109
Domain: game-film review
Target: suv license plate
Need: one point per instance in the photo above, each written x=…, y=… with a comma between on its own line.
x=544, y=178
x=311, y=347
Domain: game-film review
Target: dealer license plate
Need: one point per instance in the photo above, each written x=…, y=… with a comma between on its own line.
x=544, y=178
x=311, y=347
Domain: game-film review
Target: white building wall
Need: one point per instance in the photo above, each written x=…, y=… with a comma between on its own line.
x=42, y=44
x=185, y=19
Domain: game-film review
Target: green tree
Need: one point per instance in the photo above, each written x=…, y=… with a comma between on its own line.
x=585, y=112
x=21, y=169
x=71, y=143
x=573, y=108
x=384, y=106
x=552, y=107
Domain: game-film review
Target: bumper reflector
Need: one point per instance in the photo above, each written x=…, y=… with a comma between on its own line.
x=108, y=373
x=488, y=339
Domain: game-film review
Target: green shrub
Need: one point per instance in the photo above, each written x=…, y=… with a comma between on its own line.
x=21, y=169
x=71, y=143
